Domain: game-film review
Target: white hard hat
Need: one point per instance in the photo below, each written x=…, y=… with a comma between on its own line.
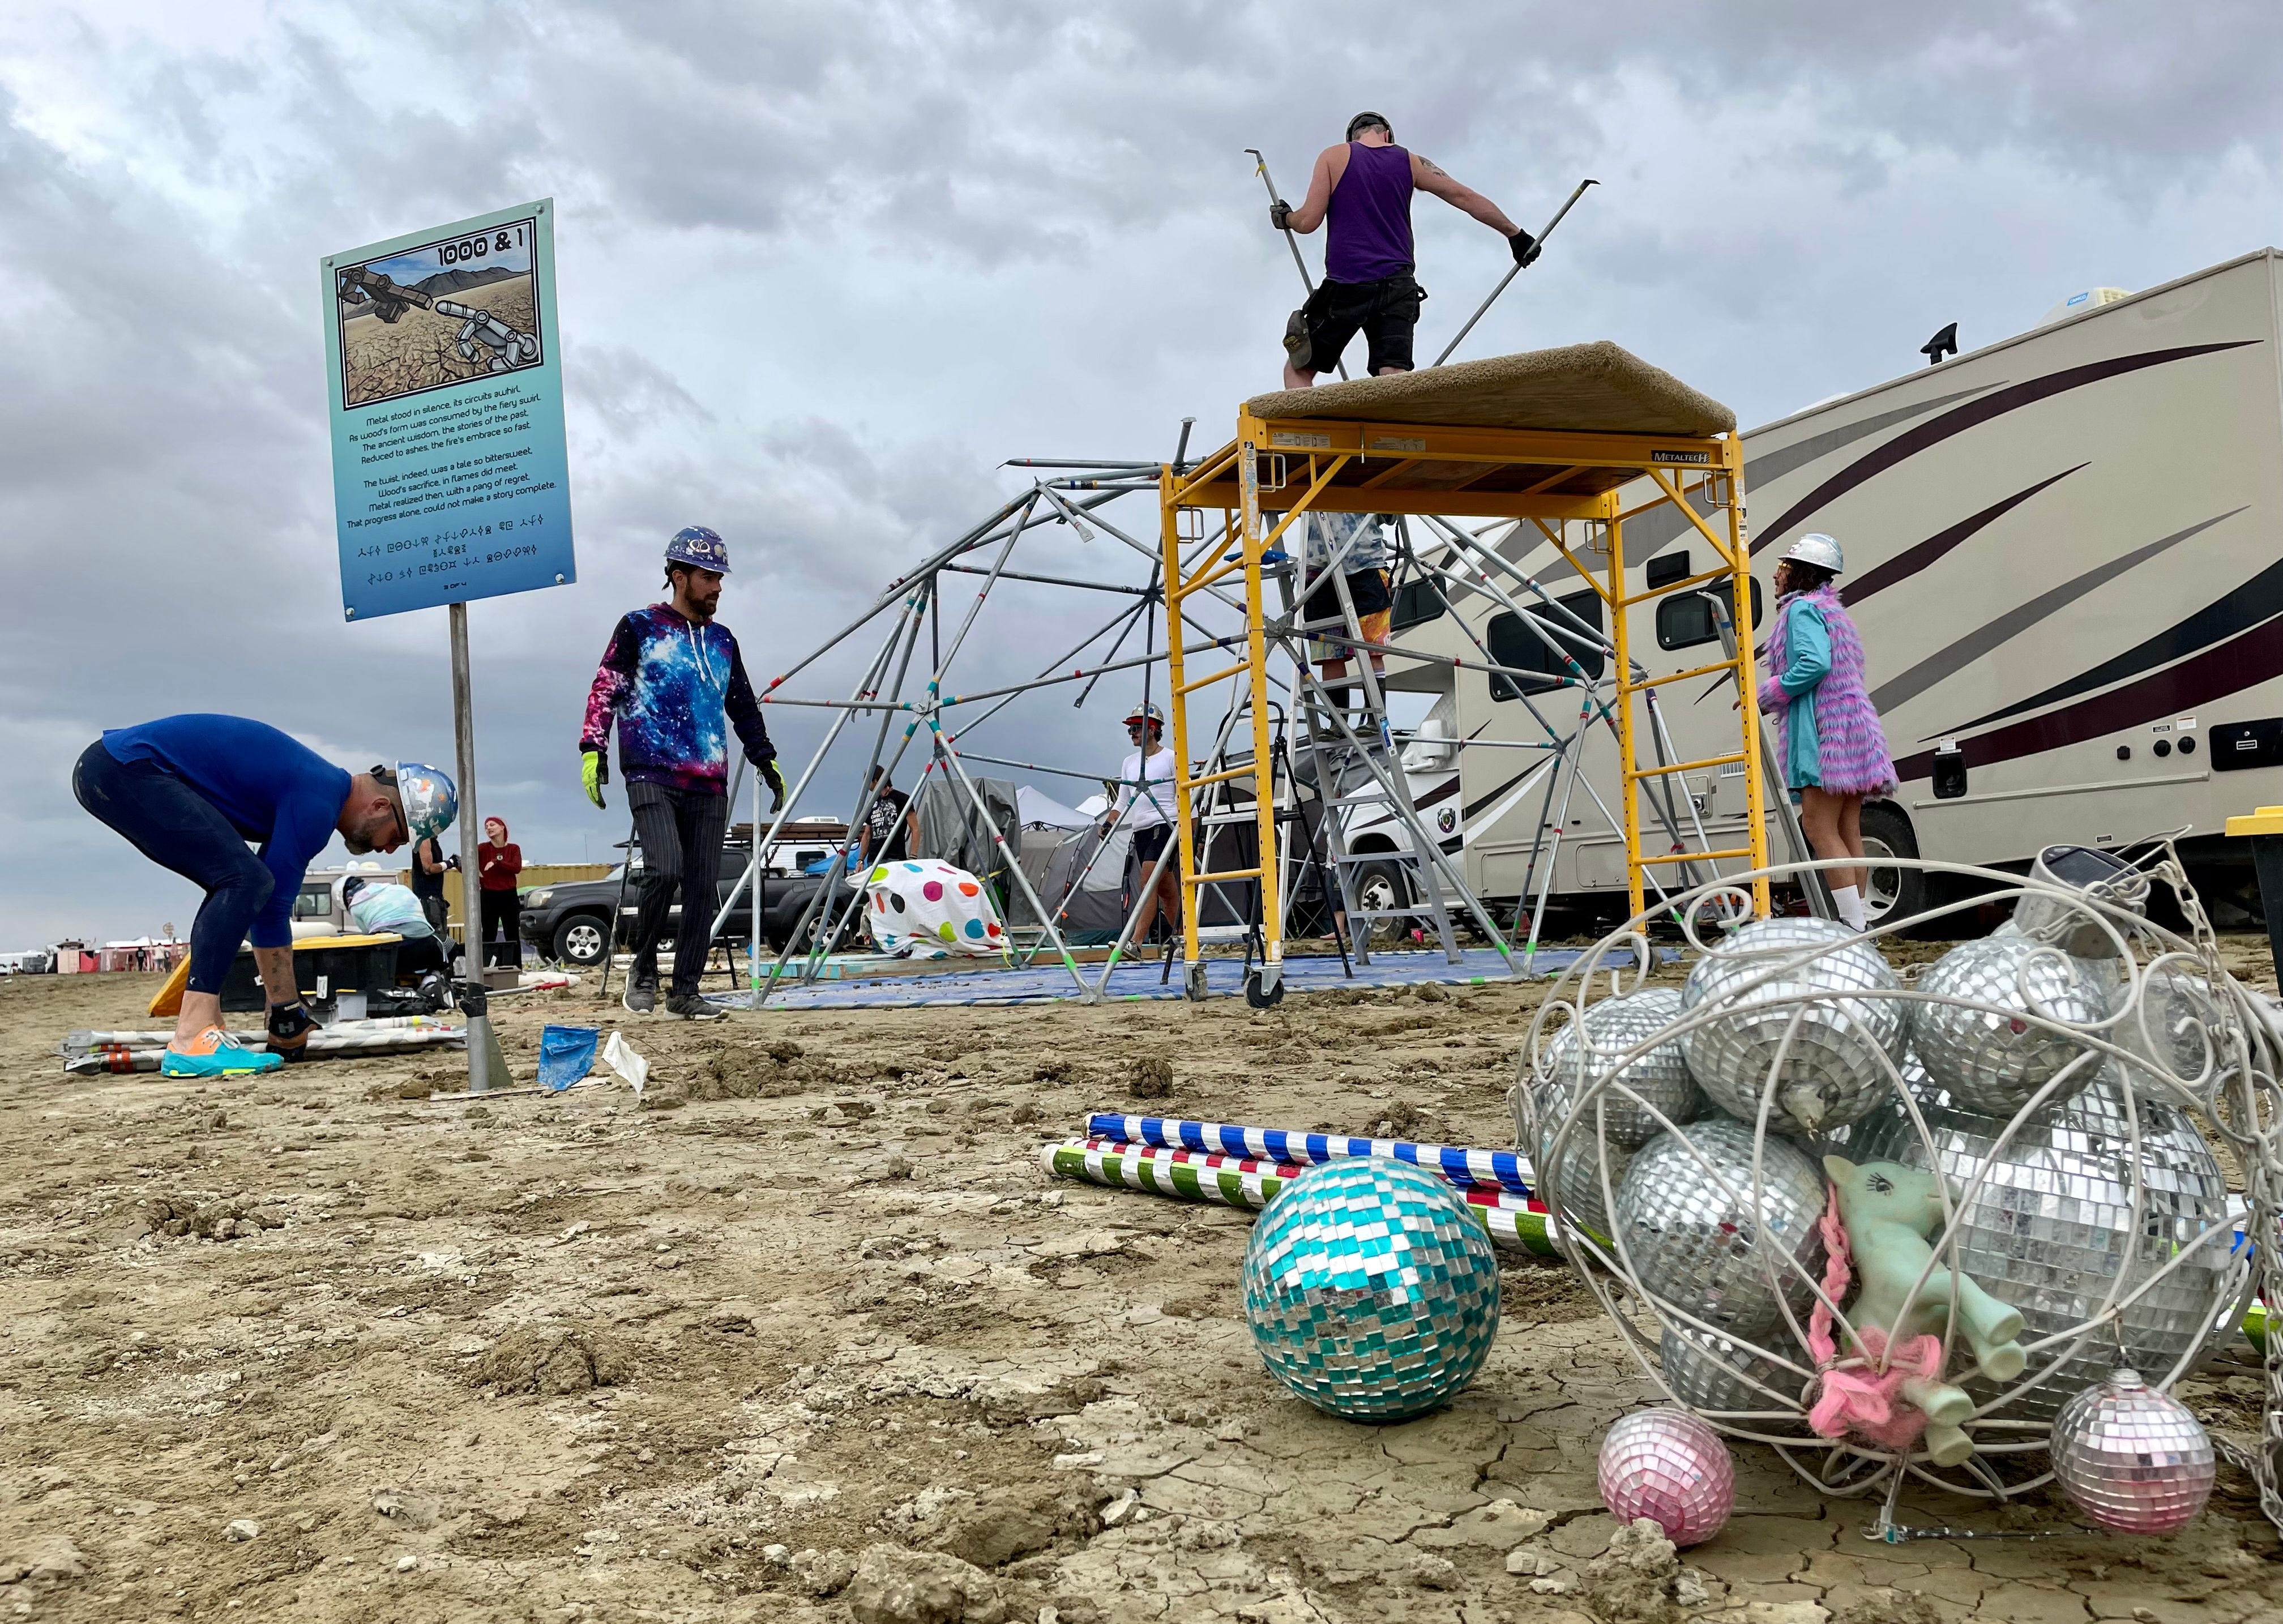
x=1820, y=550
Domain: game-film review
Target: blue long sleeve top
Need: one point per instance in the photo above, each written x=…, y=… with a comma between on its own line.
x=275, y=791
x=1807, y=661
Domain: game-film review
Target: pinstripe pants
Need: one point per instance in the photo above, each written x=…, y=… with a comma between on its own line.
x=680, y=832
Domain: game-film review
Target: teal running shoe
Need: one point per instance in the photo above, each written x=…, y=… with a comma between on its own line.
x=214, y=1053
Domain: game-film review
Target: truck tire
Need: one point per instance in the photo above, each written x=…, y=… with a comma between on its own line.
x=1380, y=885
x=579, y=941
x=1893, y=893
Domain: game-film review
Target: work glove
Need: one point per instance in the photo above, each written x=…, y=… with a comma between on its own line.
x=775, y=778
x=594, y=773
x=1525, y=248
x=1279, y=214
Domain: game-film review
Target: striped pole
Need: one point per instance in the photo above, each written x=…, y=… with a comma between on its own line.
x=1498, y=1169
x=1251, y=1183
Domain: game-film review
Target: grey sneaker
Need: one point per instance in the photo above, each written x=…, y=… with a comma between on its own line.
x=690, y=1006
x=640, y=999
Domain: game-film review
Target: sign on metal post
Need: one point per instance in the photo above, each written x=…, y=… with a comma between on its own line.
x=450, y=473
x=451, y=476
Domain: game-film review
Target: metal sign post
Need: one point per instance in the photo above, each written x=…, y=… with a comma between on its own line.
x=451, y=473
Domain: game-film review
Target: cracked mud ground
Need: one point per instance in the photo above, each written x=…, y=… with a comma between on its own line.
x=814, y=1310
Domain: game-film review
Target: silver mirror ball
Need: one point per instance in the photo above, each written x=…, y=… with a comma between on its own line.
x=1585, y=1051
x=1989, y=1057
x=2052, y=1227
x=1834, y=1067
x=1695, y=1238
x=1715, y=1376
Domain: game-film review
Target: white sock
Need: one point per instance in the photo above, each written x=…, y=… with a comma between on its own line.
x=1849, y=902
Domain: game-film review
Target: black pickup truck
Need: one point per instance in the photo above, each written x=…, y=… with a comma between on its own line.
x=566, y=922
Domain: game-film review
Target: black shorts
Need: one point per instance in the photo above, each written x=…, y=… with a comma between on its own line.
x=1385, y=312
x=1370, y=590
x=1150, y=844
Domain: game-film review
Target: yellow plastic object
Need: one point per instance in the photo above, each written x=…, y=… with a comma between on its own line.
x=305, y=944
x=2267, y=820
x=168, y=999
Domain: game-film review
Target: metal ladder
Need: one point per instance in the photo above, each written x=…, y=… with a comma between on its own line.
x=1351, y=780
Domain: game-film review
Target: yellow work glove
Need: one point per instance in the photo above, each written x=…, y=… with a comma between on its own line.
x=594, y=775
x=775, y=779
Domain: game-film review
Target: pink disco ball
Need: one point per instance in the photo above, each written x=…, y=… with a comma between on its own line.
x=1668, y=1466
x=2134, y=1459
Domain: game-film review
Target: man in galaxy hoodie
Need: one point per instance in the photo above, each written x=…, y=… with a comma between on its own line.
x=676, y=683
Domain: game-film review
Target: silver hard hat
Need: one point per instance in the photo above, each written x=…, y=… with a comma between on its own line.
x=1820, y=550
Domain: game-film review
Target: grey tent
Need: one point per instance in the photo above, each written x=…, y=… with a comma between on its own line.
x=953, y=830
x=1080, y=878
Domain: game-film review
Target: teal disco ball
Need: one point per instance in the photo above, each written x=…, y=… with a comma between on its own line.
x=1370, y=1289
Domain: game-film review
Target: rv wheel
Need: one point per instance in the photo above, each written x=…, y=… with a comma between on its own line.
x=1893, y=893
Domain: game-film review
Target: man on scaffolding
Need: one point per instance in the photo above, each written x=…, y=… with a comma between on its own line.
x=1363, y=187
x=1146, y=805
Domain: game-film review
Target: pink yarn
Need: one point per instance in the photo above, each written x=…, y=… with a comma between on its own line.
x=1861, y=1395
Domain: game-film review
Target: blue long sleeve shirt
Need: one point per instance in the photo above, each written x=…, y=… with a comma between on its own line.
x=1807, y=661
x=275, y=791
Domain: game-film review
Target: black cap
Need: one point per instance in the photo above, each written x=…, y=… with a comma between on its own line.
x=1364, y=120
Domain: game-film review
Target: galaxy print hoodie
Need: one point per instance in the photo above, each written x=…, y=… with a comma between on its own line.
x=675, y=687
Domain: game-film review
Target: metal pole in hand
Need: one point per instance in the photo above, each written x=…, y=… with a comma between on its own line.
x=1260, y=165
x=1481, y=309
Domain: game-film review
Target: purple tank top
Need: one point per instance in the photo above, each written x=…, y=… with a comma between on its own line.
x=1370, y=216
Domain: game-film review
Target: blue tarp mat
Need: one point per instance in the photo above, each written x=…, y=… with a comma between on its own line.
x=1050, y=983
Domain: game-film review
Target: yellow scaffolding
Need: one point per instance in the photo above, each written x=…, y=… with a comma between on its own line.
x=1549, y=478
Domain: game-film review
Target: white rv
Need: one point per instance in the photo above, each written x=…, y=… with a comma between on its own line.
x=2062, y=553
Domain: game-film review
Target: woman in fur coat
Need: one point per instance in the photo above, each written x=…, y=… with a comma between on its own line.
x=1833, y=754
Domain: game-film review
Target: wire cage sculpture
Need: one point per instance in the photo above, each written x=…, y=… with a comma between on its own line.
x=2074, y=1079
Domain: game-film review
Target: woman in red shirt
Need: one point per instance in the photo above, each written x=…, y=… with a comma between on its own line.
x=498, y=864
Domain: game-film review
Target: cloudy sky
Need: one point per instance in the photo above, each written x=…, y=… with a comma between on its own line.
x=823, y=266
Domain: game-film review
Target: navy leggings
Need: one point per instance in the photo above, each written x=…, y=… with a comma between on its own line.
x=178, y=828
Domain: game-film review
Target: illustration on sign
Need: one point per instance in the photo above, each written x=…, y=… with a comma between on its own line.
x=450, y=472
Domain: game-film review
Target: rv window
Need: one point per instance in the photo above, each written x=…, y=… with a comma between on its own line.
x=1668, y=567
x=1416, y=603
x=1513, y=644
x=313, y=902
x=1685, y=620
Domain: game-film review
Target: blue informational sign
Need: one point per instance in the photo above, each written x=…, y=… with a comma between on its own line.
x=450, y=476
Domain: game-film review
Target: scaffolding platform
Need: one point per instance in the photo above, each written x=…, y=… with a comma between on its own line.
x=1557, y=440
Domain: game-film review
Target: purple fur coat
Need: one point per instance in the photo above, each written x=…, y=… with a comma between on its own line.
x=1839, y=746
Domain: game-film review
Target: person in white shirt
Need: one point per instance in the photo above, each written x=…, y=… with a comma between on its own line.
x=1146, y=802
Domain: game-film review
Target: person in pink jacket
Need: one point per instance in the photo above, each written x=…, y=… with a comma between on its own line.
x=1833, y=753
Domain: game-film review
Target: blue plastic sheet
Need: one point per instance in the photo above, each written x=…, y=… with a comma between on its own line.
x=565, y=1055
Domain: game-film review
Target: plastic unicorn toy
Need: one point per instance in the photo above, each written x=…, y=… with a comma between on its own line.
x=1887, y=1210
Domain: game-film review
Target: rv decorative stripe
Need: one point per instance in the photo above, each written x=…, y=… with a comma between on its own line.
x=1996, y=403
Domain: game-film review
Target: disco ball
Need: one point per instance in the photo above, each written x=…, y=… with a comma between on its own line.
x=1990, y=1057
x=1573, y=1183
x=1587, y=1050
x=1693, y=1239
x=2180, y=1009
x=1713, y=1374
x=2050, y=1228
x=1835, y=1062
x=1668, y=1466
x=2134, y=1460
x=1370, y=1292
